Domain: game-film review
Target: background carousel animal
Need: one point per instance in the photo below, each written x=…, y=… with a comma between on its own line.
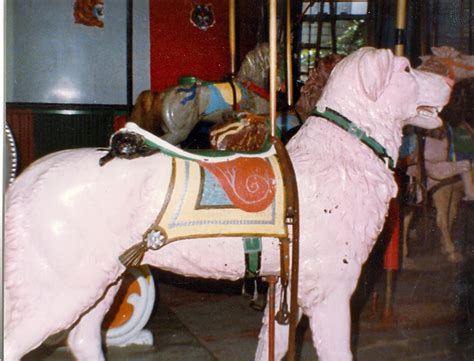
x=62, y=270
x=174, y=113
x=313, y=86
x=449, y=62
x=249, y=132
x=448, y=170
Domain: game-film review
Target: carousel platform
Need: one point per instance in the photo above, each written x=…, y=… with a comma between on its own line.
x=432, y=318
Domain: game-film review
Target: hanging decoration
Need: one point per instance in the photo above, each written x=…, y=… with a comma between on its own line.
x=202, y=16
x=89, y=12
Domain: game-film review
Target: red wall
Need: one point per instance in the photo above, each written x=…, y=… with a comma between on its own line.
x=178, y=48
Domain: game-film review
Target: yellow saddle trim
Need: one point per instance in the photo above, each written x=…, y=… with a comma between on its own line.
x=183, y=218
x=226, y=91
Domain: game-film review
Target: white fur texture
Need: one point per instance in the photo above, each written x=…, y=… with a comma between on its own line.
x=68, y=219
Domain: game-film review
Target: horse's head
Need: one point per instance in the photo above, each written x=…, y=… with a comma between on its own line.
x=460, y=108
x=448, y=62
x=256, y=65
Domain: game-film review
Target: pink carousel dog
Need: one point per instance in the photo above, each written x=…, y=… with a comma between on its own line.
x=68, y=219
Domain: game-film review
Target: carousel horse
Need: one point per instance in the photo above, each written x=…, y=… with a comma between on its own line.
x=69, y=221
x=174, y=113
x=447, y=181
x=248, y=132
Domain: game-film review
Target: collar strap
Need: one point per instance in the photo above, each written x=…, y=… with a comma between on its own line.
x=351, y=128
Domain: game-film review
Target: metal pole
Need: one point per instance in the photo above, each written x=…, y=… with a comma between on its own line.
x=271, y=317
x=129, y=54
x=232, y=37
x=400, y=27
x=399, y=50
x=320, y=29
x=273, y=63
x=289, y=55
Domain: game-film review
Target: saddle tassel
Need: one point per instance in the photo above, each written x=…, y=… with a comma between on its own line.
x=133, y=256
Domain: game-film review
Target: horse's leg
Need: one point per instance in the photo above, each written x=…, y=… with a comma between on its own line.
x=467, y=182
x=456, y=197
x=442, y=203
x=407, y=218
x=176, y=137
x=85, y=340
x=407, y=261
x=281, y=333
x=330, y=323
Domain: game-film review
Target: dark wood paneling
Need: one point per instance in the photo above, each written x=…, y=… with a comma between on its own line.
x=54, y=132
x=40, y=129
x=20, y=122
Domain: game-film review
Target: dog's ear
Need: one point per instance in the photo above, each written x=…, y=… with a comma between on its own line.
x=375, y=71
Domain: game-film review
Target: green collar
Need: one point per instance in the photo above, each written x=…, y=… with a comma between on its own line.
x=351, y=128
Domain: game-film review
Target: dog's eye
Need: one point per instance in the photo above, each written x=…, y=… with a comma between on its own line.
x=407, y=69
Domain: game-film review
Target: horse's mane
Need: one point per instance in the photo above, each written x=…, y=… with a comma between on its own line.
x=255, y=66
x=449, y=62
x=461, y=104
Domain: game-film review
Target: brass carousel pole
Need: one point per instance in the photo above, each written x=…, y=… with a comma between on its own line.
x=273, y=72
x=273, y=63
x=400, y=27
x=293, y=321
x=292, y=205
x=399, y=50
x=289, y=55
x=232, y=38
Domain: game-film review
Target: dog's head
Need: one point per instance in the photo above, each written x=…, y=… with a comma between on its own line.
x=384, y=86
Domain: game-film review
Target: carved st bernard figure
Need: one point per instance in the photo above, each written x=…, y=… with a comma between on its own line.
x=68, y=220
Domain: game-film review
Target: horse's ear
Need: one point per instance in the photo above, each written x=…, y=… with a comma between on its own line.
x=445, y=52
x=424, y=58
x=375, y=71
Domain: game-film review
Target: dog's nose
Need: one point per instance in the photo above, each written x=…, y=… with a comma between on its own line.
x=449, y=81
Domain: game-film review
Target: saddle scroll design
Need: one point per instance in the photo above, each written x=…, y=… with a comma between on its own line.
x=193, y=210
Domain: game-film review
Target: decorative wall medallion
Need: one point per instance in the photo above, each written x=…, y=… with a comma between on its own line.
x=202, y=16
